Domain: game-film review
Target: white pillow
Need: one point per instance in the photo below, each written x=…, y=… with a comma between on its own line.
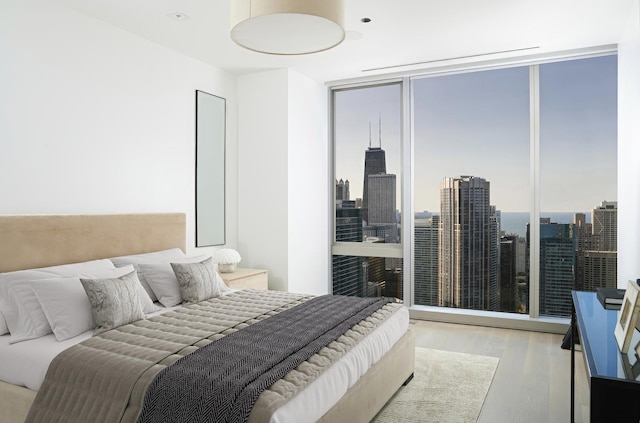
x=164, y=256
x=18, y=306
x=30, y=321
x=163, y=281
x=67, y=308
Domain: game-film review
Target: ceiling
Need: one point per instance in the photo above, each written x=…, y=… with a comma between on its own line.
x=425, y=33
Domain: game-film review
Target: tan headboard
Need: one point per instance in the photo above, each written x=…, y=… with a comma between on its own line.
x=31, y=241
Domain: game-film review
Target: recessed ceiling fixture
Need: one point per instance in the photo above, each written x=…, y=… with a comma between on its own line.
x=287, y=27
x=178, y=16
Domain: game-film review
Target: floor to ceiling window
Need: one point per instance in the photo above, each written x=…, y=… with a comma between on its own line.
x=367, y=133
x=481, y=172
x=578, y=179
x=471, y=189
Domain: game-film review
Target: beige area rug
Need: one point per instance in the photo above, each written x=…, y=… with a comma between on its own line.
x=447, y=387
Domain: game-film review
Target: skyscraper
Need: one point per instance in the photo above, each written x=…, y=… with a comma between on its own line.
x=557, y=267
x=382, y=199
x=508, y=286
x=348, y=270
x=582, y=232
x=342, y=190
x=600, y=259
x=468, y=246
x=382, y=208
x=605, y=225
x=374, y=164
x=426, y=261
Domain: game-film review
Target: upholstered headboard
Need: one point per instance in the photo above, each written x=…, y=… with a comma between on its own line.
x=32, y=241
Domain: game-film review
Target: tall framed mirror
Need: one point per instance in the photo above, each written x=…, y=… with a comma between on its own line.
x=210, y=169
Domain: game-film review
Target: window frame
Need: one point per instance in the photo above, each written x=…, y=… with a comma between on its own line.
x=406, y=249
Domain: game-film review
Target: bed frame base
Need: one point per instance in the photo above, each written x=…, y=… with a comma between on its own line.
x=372, y=391
x=14, y=402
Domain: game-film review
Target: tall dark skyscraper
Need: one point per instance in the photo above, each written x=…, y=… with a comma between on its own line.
x=557, y=267
x=508, y=286
x=374, y=164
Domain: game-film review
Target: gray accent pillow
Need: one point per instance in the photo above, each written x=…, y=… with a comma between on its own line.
x=198, y=281
x=114, y=302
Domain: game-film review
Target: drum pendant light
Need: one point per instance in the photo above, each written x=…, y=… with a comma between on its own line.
x=287, y=27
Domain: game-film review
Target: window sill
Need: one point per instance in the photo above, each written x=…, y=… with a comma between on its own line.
x=490, y=319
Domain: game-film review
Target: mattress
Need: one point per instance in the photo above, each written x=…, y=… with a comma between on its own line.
x=25, y=364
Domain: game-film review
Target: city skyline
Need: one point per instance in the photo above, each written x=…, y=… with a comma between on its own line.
x=462, y=258
x=477, y=123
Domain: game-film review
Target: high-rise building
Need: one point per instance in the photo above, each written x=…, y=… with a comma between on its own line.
x=600, y=270
x=494, y=260
x=557, y=268
x=508, y=286
x=375, y=277
x=374, y=164
x=382, y=208
x=468, y=244
x=382, y=199
x=348, y=270
x=605, y=225
x=521, y=256
x=600, y=257
x=342, y=190
x=425, y=261
x=583, y=237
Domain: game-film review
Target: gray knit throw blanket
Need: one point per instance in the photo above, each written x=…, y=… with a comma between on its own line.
x=221, y=381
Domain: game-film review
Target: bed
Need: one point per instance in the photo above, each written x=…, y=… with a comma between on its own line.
x=38, y=241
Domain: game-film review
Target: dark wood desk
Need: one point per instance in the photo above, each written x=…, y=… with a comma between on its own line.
x=614, y=378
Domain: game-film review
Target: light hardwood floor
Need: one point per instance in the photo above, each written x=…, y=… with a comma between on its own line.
x=532, y=381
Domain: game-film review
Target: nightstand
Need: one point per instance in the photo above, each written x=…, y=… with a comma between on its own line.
x=247, y=278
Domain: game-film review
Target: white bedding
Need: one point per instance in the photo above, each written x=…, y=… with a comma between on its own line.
x=25, y=364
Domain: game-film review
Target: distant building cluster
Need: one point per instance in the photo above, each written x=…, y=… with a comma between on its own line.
x=462, y=258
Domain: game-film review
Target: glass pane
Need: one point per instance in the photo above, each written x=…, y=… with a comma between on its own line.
x=471, y=144
x=368, y=277
x=367, y=130
x=578, y=179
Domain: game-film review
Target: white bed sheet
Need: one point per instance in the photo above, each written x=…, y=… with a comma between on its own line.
x=26, y=363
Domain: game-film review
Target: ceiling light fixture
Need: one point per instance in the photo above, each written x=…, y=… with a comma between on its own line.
x=287, y=27
x=178, y=16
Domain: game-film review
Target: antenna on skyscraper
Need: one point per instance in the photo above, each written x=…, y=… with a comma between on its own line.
x=369, y=134
x=380, y=129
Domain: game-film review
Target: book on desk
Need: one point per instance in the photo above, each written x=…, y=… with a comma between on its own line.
x=610, y=298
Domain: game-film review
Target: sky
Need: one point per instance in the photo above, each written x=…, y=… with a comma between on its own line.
x=477, y=124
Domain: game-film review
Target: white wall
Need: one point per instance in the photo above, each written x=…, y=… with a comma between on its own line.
x=309, y=221
x=283, y=179
x=262, y=173
x=629, y=150
x=96, y=120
